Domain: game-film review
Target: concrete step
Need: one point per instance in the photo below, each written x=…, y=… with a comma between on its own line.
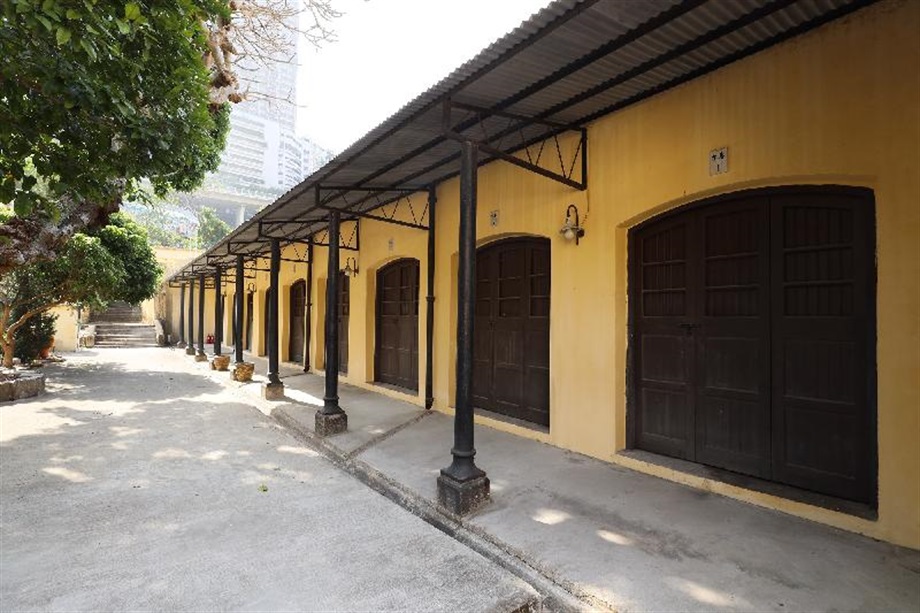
x=115, y=334
x=119, y=312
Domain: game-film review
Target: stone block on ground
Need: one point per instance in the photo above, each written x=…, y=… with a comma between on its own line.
x=201, y=357
x=329, y=424
x=273, y=391
x=220, y=362
x=462, y=497
x=21, y=385
x=242, y=371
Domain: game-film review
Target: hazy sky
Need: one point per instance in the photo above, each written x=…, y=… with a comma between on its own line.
x=388, y=52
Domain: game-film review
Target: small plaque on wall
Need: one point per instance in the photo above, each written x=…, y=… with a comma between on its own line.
x=718, y=161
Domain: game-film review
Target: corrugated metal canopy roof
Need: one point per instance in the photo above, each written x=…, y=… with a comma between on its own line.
x=570, y=63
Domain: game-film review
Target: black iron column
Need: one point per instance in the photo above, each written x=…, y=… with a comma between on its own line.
x=462, y=486
x=429, y=314
x=218, y=312
x=200, y=355
x=181, y=342
x=308, y=332
x=331, y=419
x=242, y=371
x=238, y=309
x=274, y=389
x=190, y=343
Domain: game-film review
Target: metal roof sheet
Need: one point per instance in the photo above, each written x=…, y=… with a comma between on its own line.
x=572, y=62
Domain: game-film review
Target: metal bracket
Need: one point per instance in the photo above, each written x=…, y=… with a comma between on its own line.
x=352, y=243
x=516, y=124
x=419, y=221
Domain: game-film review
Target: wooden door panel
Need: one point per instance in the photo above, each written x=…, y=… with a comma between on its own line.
x=511, y=334
x=344, y=305
x=732, y=265
x=298, y=303
x=774, y=373
x=823, y=370
x=396, y=352
x=665, y=352
x=665, y=358
x=666, y=421
x=249, y=309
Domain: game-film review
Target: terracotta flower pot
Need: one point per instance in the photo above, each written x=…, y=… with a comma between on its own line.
x=46, y=351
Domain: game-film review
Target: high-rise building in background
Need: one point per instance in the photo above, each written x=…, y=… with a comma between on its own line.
x=263, y=157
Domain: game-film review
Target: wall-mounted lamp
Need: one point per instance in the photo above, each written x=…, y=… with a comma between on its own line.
x=351, y=267
x=250, y=287
x=571, y=228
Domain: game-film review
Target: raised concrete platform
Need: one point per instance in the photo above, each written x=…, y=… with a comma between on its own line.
x=16, y=385
x=614, y=537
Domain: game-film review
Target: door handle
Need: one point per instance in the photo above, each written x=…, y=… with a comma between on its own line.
x=688, y=327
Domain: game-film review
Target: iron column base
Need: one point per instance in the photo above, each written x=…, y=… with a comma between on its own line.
x=190, y=350
x=220, y=362
x=273, y=391
x=462, y=497
x=201, y=356
x=180, y=345
x=328, y=424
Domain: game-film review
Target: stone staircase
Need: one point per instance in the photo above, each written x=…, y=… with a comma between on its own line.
x=121, y=326
x=119, y=334
x=119, y=312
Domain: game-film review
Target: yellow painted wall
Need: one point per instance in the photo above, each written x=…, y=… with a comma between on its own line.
x=66, y=328
x=840, y=105
x=166, y=304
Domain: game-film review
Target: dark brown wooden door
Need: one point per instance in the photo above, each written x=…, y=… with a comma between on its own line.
x=249, y=305
x=266, y=327
x=750, y=324
x=344, y=308
x=396, y=355
x=731, y=319
x=298, y=300
x=511, y=333
x=823, y=276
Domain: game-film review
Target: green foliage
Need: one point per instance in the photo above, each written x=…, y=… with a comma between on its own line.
x=127, y=242
x=96, y=95
x=211, y=228
x=85, y=273
x=34, y=336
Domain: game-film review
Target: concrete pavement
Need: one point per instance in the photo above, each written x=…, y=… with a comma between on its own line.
x=137, y=483
x=616, y=538
x=567, y=525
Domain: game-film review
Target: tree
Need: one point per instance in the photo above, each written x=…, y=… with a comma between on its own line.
x=97, y=95
x=83, y=273
x=211, y=228
x=127, y=242
x=116, y=264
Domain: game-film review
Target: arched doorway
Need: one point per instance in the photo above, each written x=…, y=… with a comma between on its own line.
x=396, y=353
x=298, y=301
x=511, y=333
x=249, y=305
x=753, y=323
x=344, y=309
x=265, y=318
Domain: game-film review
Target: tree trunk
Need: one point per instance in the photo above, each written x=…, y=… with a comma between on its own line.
x=8, y=350
x=5, y=333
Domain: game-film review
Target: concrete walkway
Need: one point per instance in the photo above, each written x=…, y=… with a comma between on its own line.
x=139, y=484
x=565, y=524
x=614, y=537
